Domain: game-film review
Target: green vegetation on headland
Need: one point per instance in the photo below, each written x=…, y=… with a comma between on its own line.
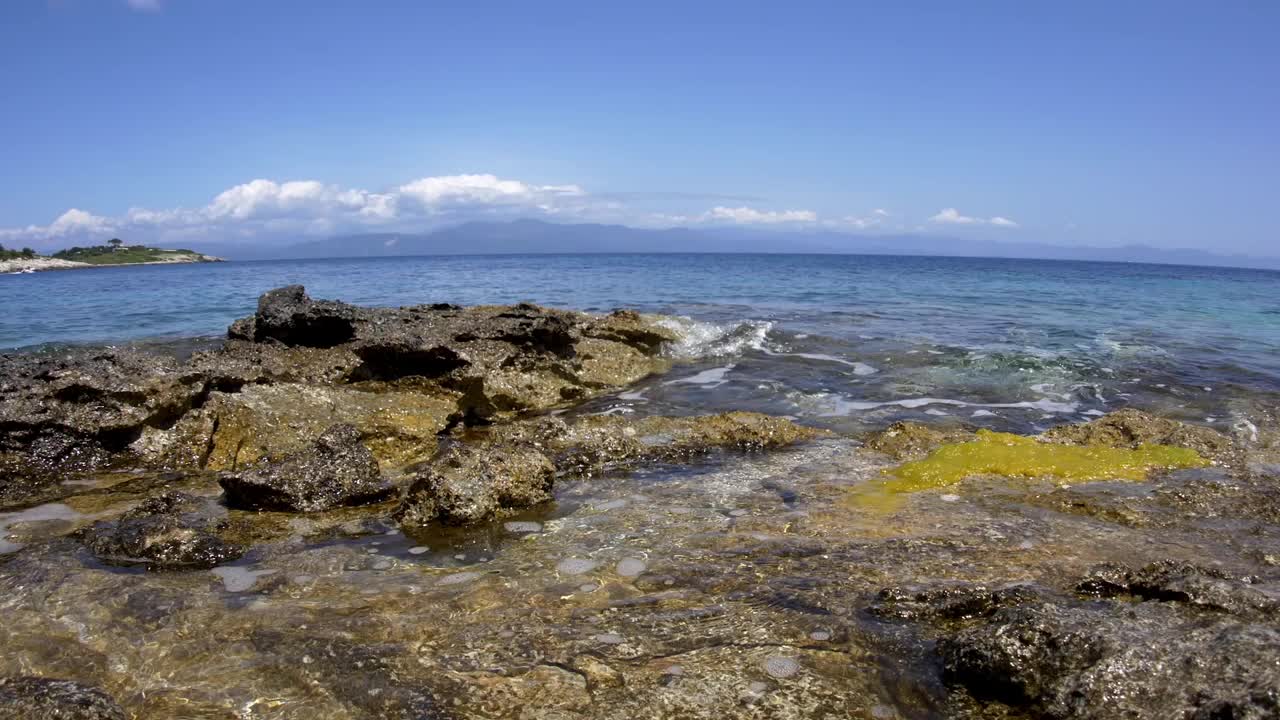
x=23, y=254
x=117, y=253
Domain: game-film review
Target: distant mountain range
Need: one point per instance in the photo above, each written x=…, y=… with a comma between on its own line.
x=537, y=236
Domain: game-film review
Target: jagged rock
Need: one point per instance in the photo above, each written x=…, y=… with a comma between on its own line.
x=167, y=532
x=504, y=360
x=1130, y=428
x=513, y=466
x=37, y=698
x=70, y=411
x=609, y=441
x=1179, y=641
x=911, y=440
x=471, y=483
x=949, y=603
x=1146, y=661
x=235, y=430
x=1180, y=582
x=337, y=470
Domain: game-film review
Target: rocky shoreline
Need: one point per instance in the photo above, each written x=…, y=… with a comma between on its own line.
x=43, y=264
x=406, y=517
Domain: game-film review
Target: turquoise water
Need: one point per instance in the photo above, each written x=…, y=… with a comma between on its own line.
x=839, y=340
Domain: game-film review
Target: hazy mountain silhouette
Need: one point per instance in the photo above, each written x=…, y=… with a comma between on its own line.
x=537, y=236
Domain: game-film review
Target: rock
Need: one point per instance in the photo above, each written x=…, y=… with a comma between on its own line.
x=949, y=603
x=172, y=531
x=1130, y=428
x=911, y=440
x=1179, y=641
x=1144, y=662
x=471, y=483
x=600, y=442
x=338, y=470
x=1180, y=582
x=503, y=360
x=513, y=466
x=235, y=430
x=37, y=698
x=70, y=411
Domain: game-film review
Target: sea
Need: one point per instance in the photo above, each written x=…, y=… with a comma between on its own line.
x=846, y=342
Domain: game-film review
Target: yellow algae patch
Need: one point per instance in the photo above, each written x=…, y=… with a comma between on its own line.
x=1016, y=456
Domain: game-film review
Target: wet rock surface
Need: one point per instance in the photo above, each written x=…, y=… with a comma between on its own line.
x=1172, y=640
x=336, y=471
x=514, y=466
x=36, y=698
x=167, y=532
x=297, y=367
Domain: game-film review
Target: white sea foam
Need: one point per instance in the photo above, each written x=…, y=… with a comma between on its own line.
x=715, y=377
x=697, y=339
x=843, y=406
x=859, y=368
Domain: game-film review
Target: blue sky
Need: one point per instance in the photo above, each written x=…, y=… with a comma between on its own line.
x=249, y=121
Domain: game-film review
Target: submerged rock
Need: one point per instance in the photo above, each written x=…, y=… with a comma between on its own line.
x=338, y=470
x=513, y=466
x=37, y=698
x=603, y=442
x=167, y=532
x=911, y=440
x=1195, y=644
x=471, y=483
x=1131, y=429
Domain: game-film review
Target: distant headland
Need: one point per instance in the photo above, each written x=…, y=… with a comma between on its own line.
x=115, y=252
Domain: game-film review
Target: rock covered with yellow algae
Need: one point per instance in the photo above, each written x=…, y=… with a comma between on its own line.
x=1105, y=451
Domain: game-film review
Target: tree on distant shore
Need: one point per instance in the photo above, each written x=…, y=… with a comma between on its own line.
x=115, y=243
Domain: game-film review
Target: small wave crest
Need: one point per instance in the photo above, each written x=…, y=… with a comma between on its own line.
x=699, y=339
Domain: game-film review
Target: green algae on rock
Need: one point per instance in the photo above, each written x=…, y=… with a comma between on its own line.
x=1017, y=456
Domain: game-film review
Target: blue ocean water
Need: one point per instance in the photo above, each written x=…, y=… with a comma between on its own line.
x=859, y=339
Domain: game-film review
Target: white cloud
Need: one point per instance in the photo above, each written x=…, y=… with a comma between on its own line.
x=269, y=210
x=312, y=207
x=752, y=216
x=481, y=189
x=952, y=216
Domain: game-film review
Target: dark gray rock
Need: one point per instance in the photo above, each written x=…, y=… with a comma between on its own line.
x=338, y=470
x=37, y=698
x=1177, y=641
x=949, y=603
x=1145, y=661
x=173, y=531
x=1181, y=582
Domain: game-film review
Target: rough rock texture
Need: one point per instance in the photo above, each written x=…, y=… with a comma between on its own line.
x=36, y=698
x=297, y=366
x=68, y=411
x=1130, y=428
x=167, y=532
x=911, y=440
x=513, y=466
x=470, y=483
x=603, y=442
x=1185, y=642
x=336, y=471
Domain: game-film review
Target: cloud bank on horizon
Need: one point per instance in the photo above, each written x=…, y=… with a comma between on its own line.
x=266, y=211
